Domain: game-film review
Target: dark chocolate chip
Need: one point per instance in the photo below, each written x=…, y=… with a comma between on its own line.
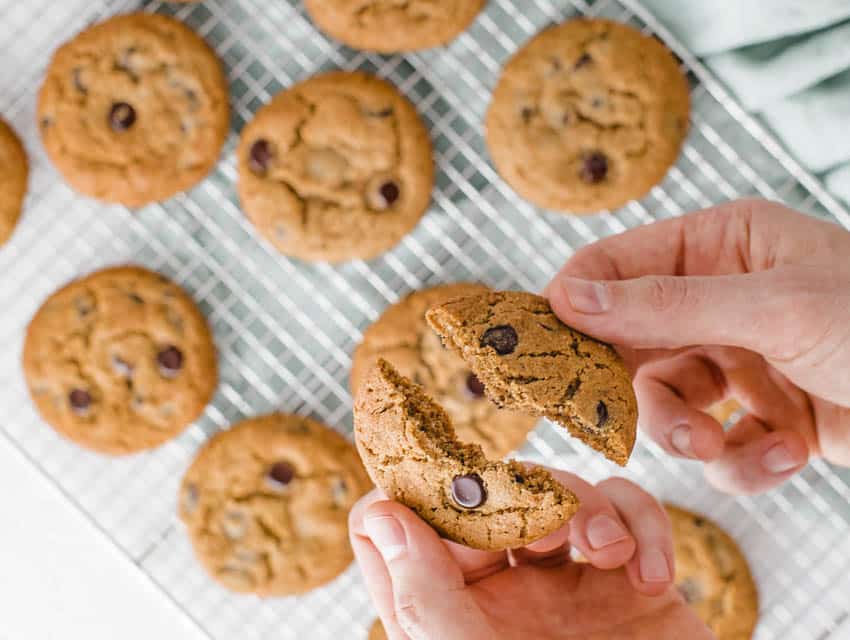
x=601, y=414
x=519, y=478
x=389, y=192
x=527, y=113
x=503, y=339
x=260, y=156
x=572, y=388
x=474, y=386
x=691, y=590
x=699, y=522
x=77, y=77
x=468, y=491
x=135, y=298
x=170, y=361
x=80, y=401
x=281, y=473
x=45, y=123
x=121, y=116
x=594, y=167
x=584, y=60
x=123, y=369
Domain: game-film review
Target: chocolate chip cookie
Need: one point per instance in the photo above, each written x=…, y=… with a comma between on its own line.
x=390, y=26
x=14, y=171
x=120, y=360
x=134, y=109
x=336, y=168
x=587, y=116
x=410, y=450
x=402, y=336
x=377, y=631
x=713, y=576
x=266, y=504
x=530, y=361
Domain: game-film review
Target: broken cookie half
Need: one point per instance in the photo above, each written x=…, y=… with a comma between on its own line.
x=530, y=361
x=408, y=446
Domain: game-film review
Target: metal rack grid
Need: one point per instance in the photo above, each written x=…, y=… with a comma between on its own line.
x=285, y=329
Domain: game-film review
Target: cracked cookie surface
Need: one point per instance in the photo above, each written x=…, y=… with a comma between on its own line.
x=713, y=575
x=134, y=109
x=587, y=116
x=390, y=26
x=402, y=336
x=530, y=361
x=335, y=168
x=266, y=504
x=120, y=360
x=409, y=448
x=14, y=171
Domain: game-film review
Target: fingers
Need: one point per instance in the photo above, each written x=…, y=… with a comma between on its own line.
x=551, y=551
x=430, y=599
x=651, y=568
x=670, y=394
x=755, y=459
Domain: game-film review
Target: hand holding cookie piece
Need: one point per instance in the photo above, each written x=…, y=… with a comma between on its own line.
x=410, y=450
x=528, y=360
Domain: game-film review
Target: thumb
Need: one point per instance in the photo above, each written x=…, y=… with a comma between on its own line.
x=673, y=312
x=430, y=597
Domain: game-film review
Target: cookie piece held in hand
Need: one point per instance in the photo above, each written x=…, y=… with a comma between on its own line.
x=410, y=450
x=120, y=360
x=377, y=631
x=402, y=337
x=713, y=576
x=530, y=361
x=266, y=504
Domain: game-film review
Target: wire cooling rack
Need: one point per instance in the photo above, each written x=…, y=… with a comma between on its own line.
x=285, y=329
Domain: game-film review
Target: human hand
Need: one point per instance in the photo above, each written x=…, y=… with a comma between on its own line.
x=426, y=588
x=749, y=300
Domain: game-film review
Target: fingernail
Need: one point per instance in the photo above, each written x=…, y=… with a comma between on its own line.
x=603, y=531
x=680, y=438
x=778, y=459
x=387, y=534
x=653, y=566
x=586, y=296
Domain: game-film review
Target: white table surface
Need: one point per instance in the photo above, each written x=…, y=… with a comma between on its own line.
x=61, y=578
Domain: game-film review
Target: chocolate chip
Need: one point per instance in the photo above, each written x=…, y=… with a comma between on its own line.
x=389, y=192
x=280, y=474
x=503, y=339
x=468, y=491
x=594, y=167
x=121, y=116
x=170, y=361
x=583, y=61
x=84, y=306
x=260, y=156
x=572, y=388
x=597, y=102
x=80, y=401
x=699, y=522
x=691, y=590
x=45, y=123
x=526, y=113
x=123, y=369
x=601, y=414
x=135, y=298
x=519, y=478
x=77, y=78
x=474, y=386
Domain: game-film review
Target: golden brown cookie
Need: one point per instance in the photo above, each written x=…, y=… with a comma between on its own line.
x=713, y=575
x=532, y=362
x=335, y=168
x=409, y=448
x=377, y=631
x=266, y=504
x=588, y=115
x=390, y=26
x=134, y=109
x=120, y=360
x=402, y=336
x=14, y=171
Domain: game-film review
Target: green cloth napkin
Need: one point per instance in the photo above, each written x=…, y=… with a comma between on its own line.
x=788, y=61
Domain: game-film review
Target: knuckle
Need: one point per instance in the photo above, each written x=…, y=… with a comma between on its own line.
x=409, y=613
x=665, y=294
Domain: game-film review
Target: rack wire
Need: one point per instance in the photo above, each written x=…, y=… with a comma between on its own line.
x=286, y=329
